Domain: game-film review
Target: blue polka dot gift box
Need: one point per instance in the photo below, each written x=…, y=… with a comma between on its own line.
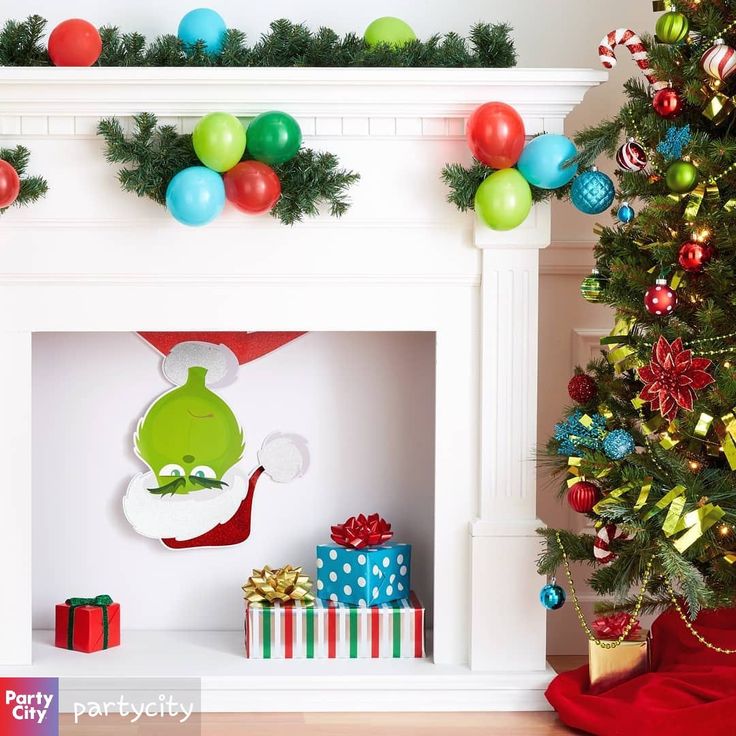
x=364, y=577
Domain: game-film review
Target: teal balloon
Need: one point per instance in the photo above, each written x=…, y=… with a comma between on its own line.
x=503, y=200
x=203, y=24
x=273, y=137
x=542, y=162
x=195, y=196
x=392, y=31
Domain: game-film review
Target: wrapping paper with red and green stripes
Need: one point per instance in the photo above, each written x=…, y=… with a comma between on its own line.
x=333, y=630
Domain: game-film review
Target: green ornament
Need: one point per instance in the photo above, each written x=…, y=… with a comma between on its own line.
x=503, y=200
x=274, y=137
x=392, y=31
x=681, y=177
x=672, y=27
x=189, y=437
x=219, y=141
x=592, y=287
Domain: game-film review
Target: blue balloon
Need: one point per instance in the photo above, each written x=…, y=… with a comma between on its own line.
x=196, y=196
x=541, y=161
x=205, y=25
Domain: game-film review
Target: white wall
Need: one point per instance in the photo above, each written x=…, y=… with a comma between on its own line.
x=365, y=402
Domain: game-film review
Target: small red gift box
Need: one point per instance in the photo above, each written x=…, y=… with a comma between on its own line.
x=88, y=624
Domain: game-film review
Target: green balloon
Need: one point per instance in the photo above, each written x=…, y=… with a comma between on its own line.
x=503, y=200
x=219, y=141
x=388, y=30
x=274, y=137
x=681, y=177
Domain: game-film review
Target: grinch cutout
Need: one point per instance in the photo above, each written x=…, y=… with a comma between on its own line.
x=191, y=441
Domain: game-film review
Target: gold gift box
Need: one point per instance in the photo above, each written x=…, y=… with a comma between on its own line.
x=609, y=667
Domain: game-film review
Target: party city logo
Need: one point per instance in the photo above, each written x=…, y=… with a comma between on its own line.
x=29, y=706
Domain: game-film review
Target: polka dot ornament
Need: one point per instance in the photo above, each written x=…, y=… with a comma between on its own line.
x=660, y=300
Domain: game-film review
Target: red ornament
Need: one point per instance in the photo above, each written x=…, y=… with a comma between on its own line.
x=692, y=255
x=660, y=299
x=74, y=42
x=667, y=102
x=253, y=187
x=583, y=496
x=603, y=540
x=496, y=135
x=9, y=184
x=362, y=531
x=672, y=378
x=582, y=388
x=614, y=624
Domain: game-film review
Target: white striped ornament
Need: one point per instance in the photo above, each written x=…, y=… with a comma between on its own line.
x=602, y=543
x=719, y=61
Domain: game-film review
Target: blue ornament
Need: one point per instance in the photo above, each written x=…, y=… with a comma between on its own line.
x=625, y=213
x=542, y=161
x=675, y=140
x=618, y=444
x=196, y=196
x=552, y=596
x=205, y=25
x=592, y=192
x=580, y=430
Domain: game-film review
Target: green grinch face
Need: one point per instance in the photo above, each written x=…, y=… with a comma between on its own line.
x=189, y=438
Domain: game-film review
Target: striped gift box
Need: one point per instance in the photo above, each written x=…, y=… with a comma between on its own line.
x=332, y=630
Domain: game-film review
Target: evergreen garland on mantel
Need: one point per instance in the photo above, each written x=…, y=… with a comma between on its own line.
x=154, y=153
x=32, y=188
x=287, y=44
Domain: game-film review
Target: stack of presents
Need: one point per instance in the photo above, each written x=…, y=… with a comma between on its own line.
x=361, y=607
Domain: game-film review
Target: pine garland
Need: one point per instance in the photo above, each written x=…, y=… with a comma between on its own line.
x=32, y=188
x=152, y=154
x=286, y=44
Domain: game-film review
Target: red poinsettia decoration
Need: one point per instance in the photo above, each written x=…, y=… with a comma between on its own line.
x=672, y=378
x=614, y=624
x=362, y=531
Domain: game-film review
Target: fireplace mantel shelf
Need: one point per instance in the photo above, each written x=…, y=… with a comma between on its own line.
x=330, y=91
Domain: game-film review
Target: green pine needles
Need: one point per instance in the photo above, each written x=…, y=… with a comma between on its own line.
x=286, y=44
x=152, y=154
x=32, y=188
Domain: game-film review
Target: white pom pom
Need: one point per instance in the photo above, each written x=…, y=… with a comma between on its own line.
x=219, y=360
x=284, y=457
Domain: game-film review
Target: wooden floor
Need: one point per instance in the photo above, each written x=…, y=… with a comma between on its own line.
x=339, y=724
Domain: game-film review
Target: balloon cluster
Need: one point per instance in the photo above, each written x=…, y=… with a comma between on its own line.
x=497, y=138
x=196, y=195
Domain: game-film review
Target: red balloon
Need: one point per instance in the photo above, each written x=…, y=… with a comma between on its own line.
x=496, y=135
x=74, y=42
x=253, y=187
x=9, y=184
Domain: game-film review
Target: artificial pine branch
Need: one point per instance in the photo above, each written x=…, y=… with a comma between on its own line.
x=32, y=188
x=152, y=154
x=21, y=42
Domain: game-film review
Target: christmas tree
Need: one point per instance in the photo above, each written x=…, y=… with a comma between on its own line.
x=648, y=448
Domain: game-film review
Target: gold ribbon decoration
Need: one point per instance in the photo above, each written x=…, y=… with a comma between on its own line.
x=726, y=431
x=617, y=493
x=620, y=353
x=282, y=584
x=718, y=108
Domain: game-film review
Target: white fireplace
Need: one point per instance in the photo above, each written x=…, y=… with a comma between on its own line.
x=92, y=259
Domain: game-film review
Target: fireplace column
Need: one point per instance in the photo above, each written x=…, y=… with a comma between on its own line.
x=508, y=623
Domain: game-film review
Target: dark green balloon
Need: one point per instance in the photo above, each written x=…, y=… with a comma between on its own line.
x=273, y=137
x=681, y=177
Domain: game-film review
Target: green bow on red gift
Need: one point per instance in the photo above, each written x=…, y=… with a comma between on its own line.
x=100, y=601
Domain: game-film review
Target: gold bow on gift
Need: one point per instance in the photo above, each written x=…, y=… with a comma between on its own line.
x=283, y=584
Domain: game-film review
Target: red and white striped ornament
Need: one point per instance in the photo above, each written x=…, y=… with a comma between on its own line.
x=631, y=156
x=627, y=37
x=719, y=61
x=602, y=543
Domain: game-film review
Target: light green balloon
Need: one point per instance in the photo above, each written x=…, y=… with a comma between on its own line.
x=389, y=30
x=503, y=200
x=219, y=141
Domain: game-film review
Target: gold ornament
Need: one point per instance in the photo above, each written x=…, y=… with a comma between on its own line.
x=283, y=584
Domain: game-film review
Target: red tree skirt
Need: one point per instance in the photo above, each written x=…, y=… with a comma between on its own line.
x=690, y=691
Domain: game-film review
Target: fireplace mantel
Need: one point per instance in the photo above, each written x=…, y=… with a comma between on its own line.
x=92, y=258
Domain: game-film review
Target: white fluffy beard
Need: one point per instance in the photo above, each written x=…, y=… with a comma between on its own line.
x=181, y=516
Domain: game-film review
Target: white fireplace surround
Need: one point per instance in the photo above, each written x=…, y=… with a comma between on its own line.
x=92, y=258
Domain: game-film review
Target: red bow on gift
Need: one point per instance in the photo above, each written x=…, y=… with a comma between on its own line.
x=361, y=531
x=612, y=626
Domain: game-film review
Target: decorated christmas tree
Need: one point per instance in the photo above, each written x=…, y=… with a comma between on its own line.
x=648, y=448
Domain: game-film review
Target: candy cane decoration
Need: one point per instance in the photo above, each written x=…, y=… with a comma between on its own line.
x=627, y=37
x=602, y=543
